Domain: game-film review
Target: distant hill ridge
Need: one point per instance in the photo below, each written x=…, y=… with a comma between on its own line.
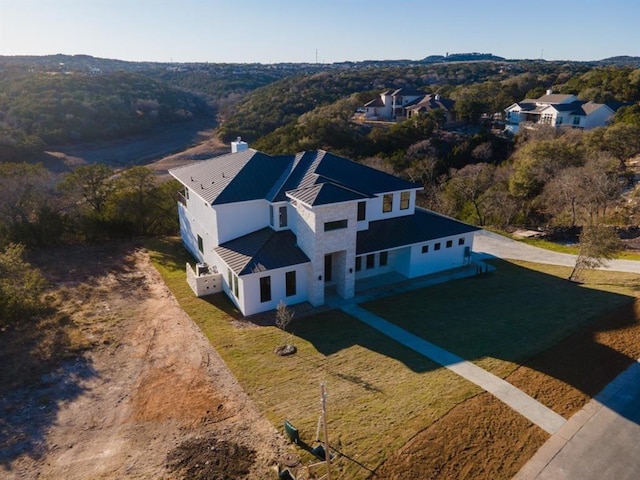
x=62, y=62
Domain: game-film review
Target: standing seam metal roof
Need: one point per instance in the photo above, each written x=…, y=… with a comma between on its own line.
x=260, y=251
x=422, y=226
x=252, y=175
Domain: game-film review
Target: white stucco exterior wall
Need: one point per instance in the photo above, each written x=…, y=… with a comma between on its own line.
x=237, y=219
x=598, y=118
x=251, y=289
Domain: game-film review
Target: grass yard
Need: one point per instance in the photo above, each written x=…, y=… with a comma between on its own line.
x=396, y=412
x=380, y=394
x=501, y=320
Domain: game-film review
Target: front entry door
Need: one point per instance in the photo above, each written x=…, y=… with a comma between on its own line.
x=327, y=268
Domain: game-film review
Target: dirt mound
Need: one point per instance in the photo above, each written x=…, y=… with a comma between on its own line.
x=210, y=459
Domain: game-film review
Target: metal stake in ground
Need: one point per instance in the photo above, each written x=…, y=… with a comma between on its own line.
x=327, y=453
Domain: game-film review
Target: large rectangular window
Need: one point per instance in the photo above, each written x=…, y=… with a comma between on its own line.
x=265, y=289
x=362, y=211
x=283, y=216
x=336, y=225
x=200, y=244
x=358, y=264
x=290, y=281
x=387, y=202
x=384, y=258
x=404, y=200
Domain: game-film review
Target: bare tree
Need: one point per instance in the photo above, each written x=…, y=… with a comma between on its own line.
x=284, y=316
x=598, y=243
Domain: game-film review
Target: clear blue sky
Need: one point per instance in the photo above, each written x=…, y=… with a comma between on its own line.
x=270, y=31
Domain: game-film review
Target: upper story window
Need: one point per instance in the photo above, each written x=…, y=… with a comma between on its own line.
x=404, y=200
x=200, y=244
x=335, y=225
x=387, y=202
x=362, y=211
x=283, y=216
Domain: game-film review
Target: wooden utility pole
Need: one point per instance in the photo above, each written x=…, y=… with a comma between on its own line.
x=327, y=453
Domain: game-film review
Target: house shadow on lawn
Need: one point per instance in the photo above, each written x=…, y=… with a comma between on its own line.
x=570, y=341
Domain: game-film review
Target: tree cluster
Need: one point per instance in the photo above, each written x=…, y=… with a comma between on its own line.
x=91, y=203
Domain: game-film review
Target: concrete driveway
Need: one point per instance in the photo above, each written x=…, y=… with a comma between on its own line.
x=602, y=441
x=488, y=244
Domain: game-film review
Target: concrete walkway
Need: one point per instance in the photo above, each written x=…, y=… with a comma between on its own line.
x=530, y=408
x=600, y=442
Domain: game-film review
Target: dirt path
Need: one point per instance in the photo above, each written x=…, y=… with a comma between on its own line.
x=152, y=383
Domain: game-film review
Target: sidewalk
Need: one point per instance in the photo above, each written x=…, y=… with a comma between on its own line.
x=530, y=408
x=600, y=442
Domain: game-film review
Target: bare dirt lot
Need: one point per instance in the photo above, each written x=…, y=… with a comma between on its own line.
x=148, y=397
x=162, y=149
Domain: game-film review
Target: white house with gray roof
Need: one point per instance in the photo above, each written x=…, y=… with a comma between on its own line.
x=289, y=227
x=557, y=110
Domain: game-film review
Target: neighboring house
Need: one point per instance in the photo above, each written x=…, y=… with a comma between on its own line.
x=431, y=103
x=402, y=103
x=288, y=227
x=558, y=111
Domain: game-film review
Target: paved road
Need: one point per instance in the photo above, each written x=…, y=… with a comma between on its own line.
x=602, y=441
x=488, y=244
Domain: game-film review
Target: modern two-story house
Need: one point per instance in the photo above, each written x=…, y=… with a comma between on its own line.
x=288, y=227
x=557, y=110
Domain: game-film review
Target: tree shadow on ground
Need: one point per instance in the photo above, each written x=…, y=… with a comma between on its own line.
x=547, y=325
x=43, y=366
x=34, y=386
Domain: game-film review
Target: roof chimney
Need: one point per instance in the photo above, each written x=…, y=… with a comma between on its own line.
x=549, y=91
x=239, y=146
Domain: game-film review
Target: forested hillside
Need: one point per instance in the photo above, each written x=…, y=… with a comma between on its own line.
x=39, y=108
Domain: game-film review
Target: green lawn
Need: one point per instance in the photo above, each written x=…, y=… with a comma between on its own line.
x=500, y=320
x=381, y=394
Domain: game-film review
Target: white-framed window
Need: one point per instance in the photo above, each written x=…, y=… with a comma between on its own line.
x=404, y=200
x=387, y=202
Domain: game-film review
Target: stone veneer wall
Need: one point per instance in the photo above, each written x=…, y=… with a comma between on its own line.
x=316, y=243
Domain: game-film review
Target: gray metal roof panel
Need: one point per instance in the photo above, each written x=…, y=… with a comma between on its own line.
x=261, y=251
x=235, y=177
x=422, y=226
x=325, y=194
x=358, y=177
